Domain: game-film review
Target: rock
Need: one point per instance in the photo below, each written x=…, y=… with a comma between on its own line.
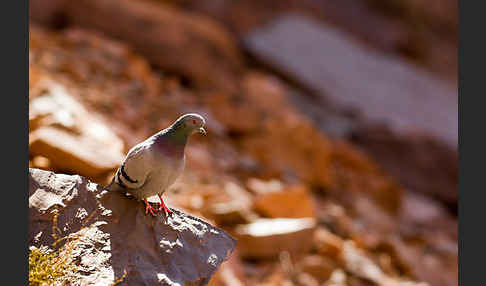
x=49, y=12
x=357, y=263
x=73, y=153
x=287, y=144
x=320, y=267
x=327, y=244
x=105, y=75
x=119, y=236
x=41, y=162
x=232, y=205
x=382, y=89
x=423, y=264
x=179, y=42
x=305, y=279
x=68, y=136
x=358, y=173
x=420, y=163
x=291, y=201
x=230, y=213
x=264, y=186
x=422, y=211
x=229, y=273
x=382, y=99
x=266, y=238
x=338, y=278
x=388, y=27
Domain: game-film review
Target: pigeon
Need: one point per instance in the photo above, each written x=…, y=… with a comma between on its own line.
x=151, y=166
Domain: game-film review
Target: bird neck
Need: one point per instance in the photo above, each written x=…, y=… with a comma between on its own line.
x=172, y=141
x=178, y=133
x=178, y=136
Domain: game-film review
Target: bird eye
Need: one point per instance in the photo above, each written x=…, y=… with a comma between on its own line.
x=194, y=121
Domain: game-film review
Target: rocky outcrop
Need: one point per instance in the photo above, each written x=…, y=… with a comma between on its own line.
x=117, y=236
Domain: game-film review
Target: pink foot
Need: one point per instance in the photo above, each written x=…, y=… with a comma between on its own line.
x=149, y=208
x=162, y=206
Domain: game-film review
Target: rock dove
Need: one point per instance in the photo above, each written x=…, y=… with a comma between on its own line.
x=151, y=166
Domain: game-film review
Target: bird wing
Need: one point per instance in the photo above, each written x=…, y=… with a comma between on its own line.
x=135, y=169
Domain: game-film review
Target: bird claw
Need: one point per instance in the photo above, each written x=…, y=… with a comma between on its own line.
x=149, y=208
x=168, y=212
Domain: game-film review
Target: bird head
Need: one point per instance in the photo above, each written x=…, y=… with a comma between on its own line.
x=191, y=123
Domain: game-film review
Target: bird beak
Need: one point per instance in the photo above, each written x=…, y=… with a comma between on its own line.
x=201, y=130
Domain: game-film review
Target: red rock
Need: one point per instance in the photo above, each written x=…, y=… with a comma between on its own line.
x=73, y=153
x=266, y=238
x=47, y=12
x=319, y=267
x=338, y=278
x=69, y=136
x=291, y=201
x=122, y=90
x=262, y=187
x=41, y=162
x=230, y=273
x=360, y=265
x=236, y=209
x=357, y=172
x=434, y=269
x=419, y=163
x=327, y=244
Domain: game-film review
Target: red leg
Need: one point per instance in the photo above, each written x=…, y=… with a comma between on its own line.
x=163, y=206
x=148, y=208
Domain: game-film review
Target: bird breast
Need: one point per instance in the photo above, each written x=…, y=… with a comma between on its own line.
x=161, y=177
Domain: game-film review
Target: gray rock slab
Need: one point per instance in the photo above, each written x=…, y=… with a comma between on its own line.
x=378, y=88
x=118, y=236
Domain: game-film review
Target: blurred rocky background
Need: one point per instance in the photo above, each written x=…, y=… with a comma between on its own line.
x=331, y=152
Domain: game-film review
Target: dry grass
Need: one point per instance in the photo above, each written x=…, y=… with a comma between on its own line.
x=47, y=266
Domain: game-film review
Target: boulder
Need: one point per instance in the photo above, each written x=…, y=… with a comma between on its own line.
x=72, y=139
x=234, y=209
x=266, y=238
x=117, y=236
x=291, y=201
